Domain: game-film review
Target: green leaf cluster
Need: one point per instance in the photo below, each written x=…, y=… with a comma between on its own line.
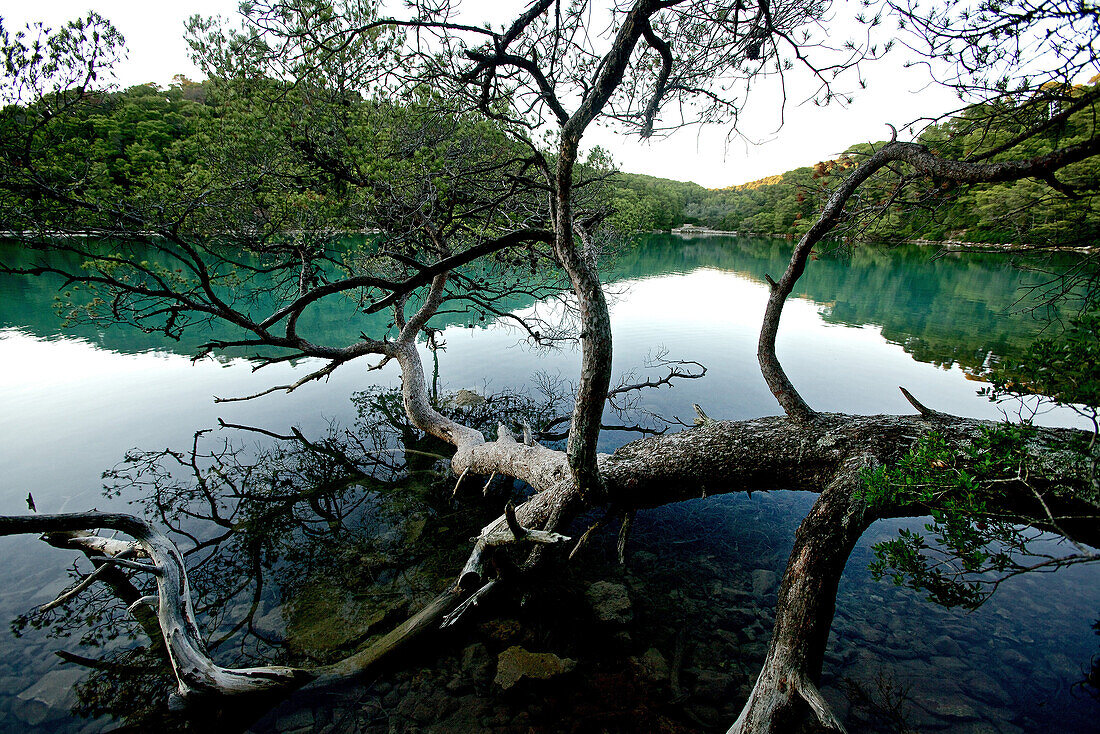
x=958, y=488
x=937, y=475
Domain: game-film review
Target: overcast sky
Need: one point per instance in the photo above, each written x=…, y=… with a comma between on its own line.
x=154, y=36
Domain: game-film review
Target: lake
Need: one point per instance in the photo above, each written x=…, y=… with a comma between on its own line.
x=77, y=400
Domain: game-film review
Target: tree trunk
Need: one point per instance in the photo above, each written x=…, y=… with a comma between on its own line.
x=788, y=683
x=595, y=325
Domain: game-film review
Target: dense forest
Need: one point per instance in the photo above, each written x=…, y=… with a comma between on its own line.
x=336, y=173
x=145, y=134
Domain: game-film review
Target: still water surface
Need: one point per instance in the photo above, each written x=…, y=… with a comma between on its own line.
x=76, y=400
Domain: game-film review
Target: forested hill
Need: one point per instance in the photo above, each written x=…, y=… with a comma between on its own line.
x=1021, y=212
x=145, y=138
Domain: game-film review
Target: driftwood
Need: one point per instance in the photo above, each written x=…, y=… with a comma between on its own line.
x=196, y=673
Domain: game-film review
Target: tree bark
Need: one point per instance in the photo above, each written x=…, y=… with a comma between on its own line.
x=595, y=325
x=788, y=683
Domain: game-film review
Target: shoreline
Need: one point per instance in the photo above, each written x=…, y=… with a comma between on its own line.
x=690, y=231
x=953, y=245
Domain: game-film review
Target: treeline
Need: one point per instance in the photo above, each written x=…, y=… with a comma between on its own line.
x=145, y=141
x=891, y=208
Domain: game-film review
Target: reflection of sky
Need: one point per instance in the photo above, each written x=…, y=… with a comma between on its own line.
x=73, y=409
x=713, y=316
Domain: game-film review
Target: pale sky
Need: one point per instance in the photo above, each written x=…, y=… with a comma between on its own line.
x=154, y=38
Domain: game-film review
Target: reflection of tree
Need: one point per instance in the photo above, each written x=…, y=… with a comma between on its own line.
x=943, y=310
x=299, y=549
x=359, y=509
x=1092, y=678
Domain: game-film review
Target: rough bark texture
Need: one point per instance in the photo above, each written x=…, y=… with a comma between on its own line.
x=788, y=682
x=595, y=325
x=580, y=262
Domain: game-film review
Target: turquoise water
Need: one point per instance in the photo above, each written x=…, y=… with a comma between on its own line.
x=76, y=400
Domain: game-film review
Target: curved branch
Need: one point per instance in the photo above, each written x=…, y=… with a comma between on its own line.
x=661, y=47
x=546, y=90
x=488, y=247
x=919, y=157
x=195, y=672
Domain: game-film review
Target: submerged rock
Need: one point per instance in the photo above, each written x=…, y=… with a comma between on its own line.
x=329, y=619
x=763, y=582
x=501, y=631
x=610, y=602
x=515, y=664
x=50, y=698
x=296, y=721
x=868, y=632
x=467, y=398
x=476, y=663
x=955, y=711
x=945, y=645
x=714, y=685
x=985, y=688
x=652, y=666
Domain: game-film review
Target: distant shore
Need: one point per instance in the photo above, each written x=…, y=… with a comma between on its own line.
x=693, y=231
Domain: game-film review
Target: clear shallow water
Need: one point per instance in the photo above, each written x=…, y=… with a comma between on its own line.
x=77, y=400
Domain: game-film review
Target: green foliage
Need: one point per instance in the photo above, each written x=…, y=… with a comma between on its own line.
x=933, y=473
x=646, y=203
x=245, y=155
x=783, y=204
x=957, y=488
x=972, y=547
x=1024, y=211
x=293, y=153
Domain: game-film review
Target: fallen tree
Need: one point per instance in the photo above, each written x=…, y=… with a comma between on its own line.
x=436, y=234
x=830, y=455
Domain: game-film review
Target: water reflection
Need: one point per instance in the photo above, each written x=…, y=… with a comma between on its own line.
x=305, y=547
x=299, y=551
x=942, y=308
x=299, y=557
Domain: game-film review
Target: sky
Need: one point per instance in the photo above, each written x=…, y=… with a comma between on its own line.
x=156, y=52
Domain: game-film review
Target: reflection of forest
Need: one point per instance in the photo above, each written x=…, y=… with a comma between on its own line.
x=952, y=309
x=943, y=308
